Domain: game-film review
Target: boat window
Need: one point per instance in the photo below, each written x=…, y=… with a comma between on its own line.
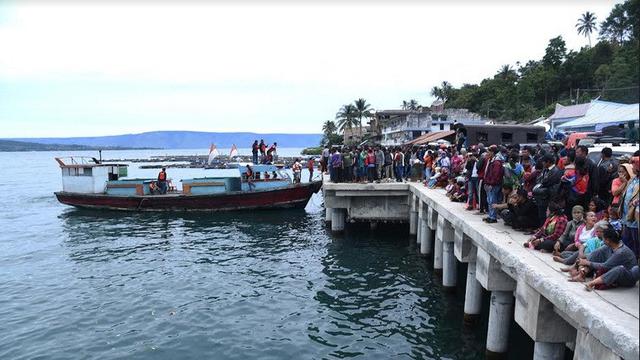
x=482, y=136
x=532, y=137
x=507, y=137
x=86, y=171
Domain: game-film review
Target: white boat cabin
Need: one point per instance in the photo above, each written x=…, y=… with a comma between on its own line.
x=82, y=174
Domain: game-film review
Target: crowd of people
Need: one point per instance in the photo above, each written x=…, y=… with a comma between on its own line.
x=583, y=212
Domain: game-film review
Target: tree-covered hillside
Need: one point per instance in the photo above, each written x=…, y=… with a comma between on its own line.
x=609, y=70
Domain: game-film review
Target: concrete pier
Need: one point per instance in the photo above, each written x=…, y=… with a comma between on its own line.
x=526, y=286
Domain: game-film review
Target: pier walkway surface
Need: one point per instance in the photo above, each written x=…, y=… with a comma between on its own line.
x=554, y=312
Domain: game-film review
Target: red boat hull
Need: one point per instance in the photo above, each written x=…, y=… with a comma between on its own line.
x=291, y=196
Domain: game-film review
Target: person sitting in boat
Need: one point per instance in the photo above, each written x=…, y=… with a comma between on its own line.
x=297, y=171
x=153, y=188
x=162, y=181
x=249, y=174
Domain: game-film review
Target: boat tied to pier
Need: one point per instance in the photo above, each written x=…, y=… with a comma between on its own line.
x=89, y=183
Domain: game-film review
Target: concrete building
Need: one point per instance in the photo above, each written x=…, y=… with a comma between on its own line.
x=397, y=127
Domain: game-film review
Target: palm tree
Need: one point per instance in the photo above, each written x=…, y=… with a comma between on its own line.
x=437, y=93
x=447, y=90
x=347, y=117
x=413, y=105
x=405, y=105
x=586, y=25
x=362, y=110
x=329, y=127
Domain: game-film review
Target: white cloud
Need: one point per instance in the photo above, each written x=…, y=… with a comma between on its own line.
x=384, y=52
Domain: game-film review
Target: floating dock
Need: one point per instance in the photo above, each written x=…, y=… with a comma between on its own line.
x=526, y=286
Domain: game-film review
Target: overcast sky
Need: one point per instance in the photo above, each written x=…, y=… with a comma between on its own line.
x=70, y=69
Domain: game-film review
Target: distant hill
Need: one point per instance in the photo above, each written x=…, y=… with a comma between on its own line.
x=12, y=145
x=184, y=140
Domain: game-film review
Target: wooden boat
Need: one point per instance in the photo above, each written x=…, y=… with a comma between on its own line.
x=88, y=183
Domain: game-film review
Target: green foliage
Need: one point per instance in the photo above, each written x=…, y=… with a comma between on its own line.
x=312, y=150
x=347, y=117
x=608, y=70
x=586, y=25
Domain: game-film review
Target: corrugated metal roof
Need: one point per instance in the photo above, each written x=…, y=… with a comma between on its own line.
x=604, y=112
x=572, y=111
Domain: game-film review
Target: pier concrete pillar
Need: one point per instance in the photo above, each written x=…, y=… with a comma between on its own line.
x=437, y=248
x=464, y=249
x=413, y=215
x=430, y=233
x=490, y=275
x=590, y=348
x=421, y=217
x=499, y=323
x=328, y=213
x=337, y=220
x=538, y=318
x=472, y=296
x=548, y=351
x=423, y=226
x=449, y=266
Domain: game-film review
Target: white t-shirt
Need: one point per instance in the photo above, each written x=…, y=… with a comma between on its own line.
x=585, y=235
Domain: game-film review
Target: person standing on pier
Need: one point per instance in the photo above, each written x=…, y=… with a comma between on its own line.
x=629, y=208
x=254, y=152
x=492, y=181
x=310, y=166
x=324, y=163
x=162, y=181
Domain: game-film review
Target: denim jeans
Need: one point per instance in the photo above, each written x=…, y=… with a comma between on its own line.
x=493, y=196
x=472, y=192
x=399, y=173
x=255, y=158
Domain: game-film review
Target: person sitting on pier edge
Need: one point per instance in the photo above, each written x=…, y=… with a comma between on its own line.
x=568, y=237
x=614, y=253
x=297, y=171
x=522, y=212
x=162, y=181
x=545, y=238
x=249, y=174
x=586, y=247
